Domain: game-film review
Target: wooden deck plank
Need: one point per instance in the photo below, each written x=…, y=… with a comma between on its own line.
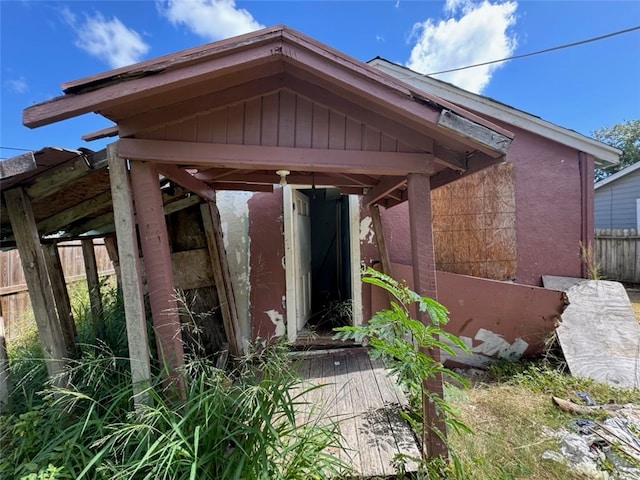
x=346, y=415
x=357, y=392
x=375, y=418
x=395, y=400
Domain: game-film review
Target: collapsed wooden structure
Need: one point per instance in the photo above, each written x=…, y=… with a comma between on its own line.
x=227, y=116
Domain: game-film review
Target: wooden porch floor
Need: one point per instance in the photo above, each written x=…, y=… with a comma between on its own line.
x=358, y=394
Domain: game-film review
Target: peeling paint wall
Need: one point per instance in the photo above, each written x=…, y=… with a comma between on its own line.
x=267, y=275
x=234, y=216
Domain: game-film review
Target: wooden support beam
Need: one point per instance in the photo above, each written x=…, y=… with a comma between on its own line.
x=376, y=222
x=449, y=158
x=384, y=188
x=16, y=165
x=476, y=162
x=497, y=143
x=242, y=187
x=102, y=223
x=37, y=278
x=154, y=241
x=257, y=157
x=111, y=131
x=187, y=181
x=61, y=297
x=184, y=202
x=4, y=367
x=131, y=275
x=222, y=276
x=424, y=278
x=111, y=245
x=54, y=180
x=64, y=218
x=93, y=285
x=294, y=178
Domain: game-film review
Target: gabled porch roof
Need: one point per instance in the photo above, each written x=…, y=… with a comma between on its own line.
x=402, y=130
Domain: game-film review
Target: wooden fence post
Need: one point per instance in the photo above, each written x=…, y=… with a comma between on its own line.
x=93, y=285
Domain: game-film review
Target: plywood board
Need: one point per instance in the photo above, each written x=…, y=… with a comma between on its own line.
x=599, y=333
x=474, y=224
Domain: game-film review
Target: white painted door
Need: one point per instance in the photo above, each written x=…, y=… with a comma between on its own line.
x=302, y=235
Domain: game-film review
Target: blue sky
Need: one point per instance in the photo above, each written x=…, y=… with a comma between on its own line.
x=44, y=44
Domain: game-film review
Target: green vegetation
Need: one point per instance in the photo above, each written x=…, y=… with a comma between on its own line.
x=624, y=136
x=238, y=424
x=248, y=422
x=403, y=342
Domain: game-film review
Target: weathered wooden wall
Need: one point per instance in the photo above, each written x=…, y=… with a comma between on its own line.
x=474, y=224
x=617, y=252
x=14, y=297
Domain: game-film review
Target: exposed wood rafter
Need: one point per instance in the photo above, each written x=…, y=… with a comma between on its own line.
x=385, y=188
x=187, y=181
x=16, y=165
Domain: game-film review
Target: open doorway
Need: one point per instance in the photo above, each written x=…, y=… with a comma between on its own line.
x=322, y=244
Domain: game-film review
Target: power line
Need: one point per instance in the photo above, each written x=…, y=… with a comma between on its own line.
x=16, y=148
x=559, y=47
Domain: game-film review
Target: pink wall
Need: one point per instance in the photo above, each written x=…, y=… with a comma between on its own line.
x=548, y=208
x=549, y=219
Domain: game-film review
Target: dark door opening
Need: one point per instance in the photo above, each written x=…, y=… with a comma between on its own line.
x=330, y=260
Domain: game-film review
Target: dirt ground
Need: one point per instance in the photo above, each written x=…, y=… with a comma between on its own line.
x=634, y=296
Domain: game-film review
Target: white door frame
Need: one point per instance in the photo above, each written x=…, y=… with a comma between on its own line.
x=290, y=259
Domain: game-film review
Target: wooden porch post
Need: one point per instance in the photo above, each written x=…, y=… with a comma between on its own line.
x=38, y=282
x=424, y=277
x=157, y=263
x=131, y=275
x=93, y=285
x=61, y=297
x=4, y=367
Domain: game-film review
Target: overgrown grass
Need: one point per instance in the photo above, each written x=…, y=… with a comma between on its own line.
x=510, y=409
x=240, y=424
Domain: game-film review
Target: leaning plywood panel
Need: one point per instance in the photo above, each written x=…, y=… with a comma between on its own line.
x=599, y=333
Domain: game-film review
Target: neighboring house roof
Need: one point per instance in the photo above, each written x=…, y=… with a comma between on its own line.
x=617, y=175
x=603, y=153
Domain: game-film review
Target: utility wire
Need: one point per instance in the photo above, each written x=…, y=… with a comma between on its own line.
x=559, y=47
x=15, y=148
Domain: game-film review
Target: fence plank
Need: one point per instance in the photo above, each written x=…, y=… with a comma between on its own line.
x=617, y=252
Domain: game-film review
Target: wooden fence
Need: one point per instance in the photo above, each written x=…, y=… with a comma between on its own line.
x=618, y=254
x=14, y=297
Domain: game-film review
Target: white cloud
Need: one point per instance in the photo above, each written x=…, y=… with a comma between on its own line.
x=211, y=19
x=108, y=40
x=18, y=85
x=475, y=32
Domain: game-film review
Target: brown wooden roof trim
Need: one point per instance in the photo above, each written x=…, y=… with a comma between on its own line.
x=171, y=61
x=252, y=157
x=210, y=61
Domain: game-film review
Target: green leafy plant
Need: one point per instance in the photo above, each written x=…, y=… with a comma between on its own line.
x=236, y=424
x=403, y=343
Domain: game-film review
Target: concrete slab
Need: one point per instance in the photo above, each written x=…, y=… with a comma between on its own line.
x=599, y=333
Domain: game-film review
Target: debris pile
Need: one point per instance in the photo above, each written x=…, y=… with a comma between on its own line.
x=602, y=450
